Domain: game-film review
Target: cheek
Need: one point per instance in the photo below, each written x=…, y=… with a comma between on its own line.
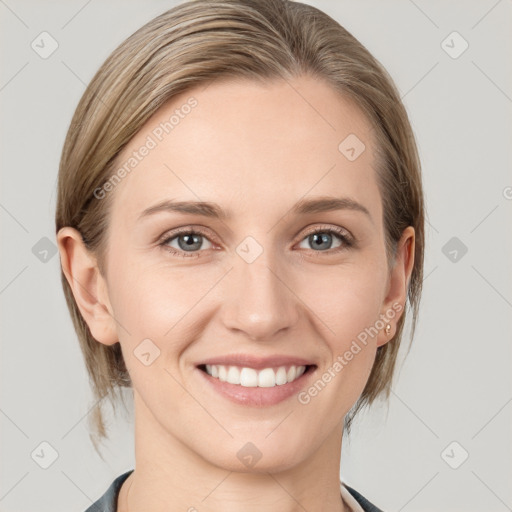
x=347, y=300
x=347, y=304
x=153, y=313
x=158, y=302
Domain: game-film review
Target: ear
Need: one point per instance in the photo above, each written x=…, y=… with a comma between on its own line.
x=87, y=284
x=398, y=282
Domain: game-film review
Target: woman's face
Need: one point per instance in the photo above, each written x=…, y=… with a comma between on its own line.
x=255, y=294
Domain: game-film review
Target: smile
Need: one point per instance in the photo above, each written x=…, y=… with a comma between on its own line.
x=251, y=378
x=255, y=380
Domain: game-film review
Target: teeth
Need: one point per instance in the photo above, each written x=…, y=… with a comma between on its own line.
x=251, y=378
x=281, y=376
x=233, y=375
x=248, y=378
x=266, y=378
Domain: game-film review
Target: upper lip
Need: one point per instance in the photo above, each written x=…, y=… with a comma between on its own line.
x=258, y=363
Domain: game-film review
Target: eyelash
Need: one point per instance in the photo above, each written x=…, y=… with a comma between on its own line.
x=347, y=241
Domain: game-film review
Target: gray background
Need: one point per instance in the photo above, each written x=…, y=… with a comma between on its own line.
x=456, y=382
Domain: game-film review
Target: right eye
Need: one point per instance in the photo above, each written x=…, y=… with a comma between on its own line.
x=188, y=242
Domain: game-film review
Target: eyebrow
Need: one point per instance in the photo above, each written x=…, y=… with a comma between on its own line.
x=213, y=210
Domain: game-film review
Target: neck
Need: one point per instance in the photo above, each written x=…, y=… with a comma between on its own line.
x=170, y=474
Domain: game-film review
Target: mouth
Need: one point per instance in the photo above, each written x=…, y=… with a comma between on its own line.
x=257, y=382
x=248, y=377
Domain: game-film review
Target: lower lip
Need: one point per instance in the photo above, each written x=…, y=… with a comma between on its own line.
x=256, y=396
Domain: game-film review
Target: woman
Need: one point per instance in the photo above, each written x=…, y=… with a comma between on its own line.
x=240, y=225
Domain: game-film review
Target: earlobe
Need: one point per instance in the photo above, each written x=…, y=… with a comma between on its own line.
x=87, y=284
x=394, y=303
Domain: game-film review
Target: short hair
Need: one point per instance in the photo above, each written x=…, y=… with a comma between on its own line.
x=198, y=42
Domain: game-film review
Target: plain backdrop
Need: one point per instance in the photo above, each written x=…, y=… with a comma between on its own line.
x=443, y=443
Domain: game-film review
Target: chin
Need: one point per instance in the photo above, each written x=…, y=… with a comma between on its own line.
x=257, y=454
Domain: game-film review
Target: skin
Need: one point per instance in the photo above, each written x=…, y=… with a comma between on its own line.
x=255, y=150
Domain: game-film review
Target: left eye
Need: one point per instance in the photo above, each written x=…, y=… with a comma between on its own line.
x=323, y=239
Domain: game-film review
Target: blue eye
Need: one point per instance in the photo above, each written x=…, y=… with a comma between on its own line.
x=189, y=242
x=323, y=240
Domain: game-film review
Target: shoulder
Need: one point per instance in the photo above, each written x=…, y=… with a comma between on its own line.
x=364, y=504
x=108, y=502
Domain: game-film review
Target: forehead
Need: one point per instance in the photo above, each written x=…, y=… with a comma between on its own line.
x=250, y=145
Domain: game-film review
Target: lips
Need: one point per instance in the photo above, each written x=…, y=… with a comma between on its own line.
x=255, y=380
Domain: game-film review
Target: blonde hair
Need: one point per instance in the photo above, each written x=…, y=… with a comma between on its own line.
x=200, y=41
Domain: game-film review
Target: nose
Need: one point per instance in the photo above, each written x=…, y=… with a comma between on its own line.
x=261, y=303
